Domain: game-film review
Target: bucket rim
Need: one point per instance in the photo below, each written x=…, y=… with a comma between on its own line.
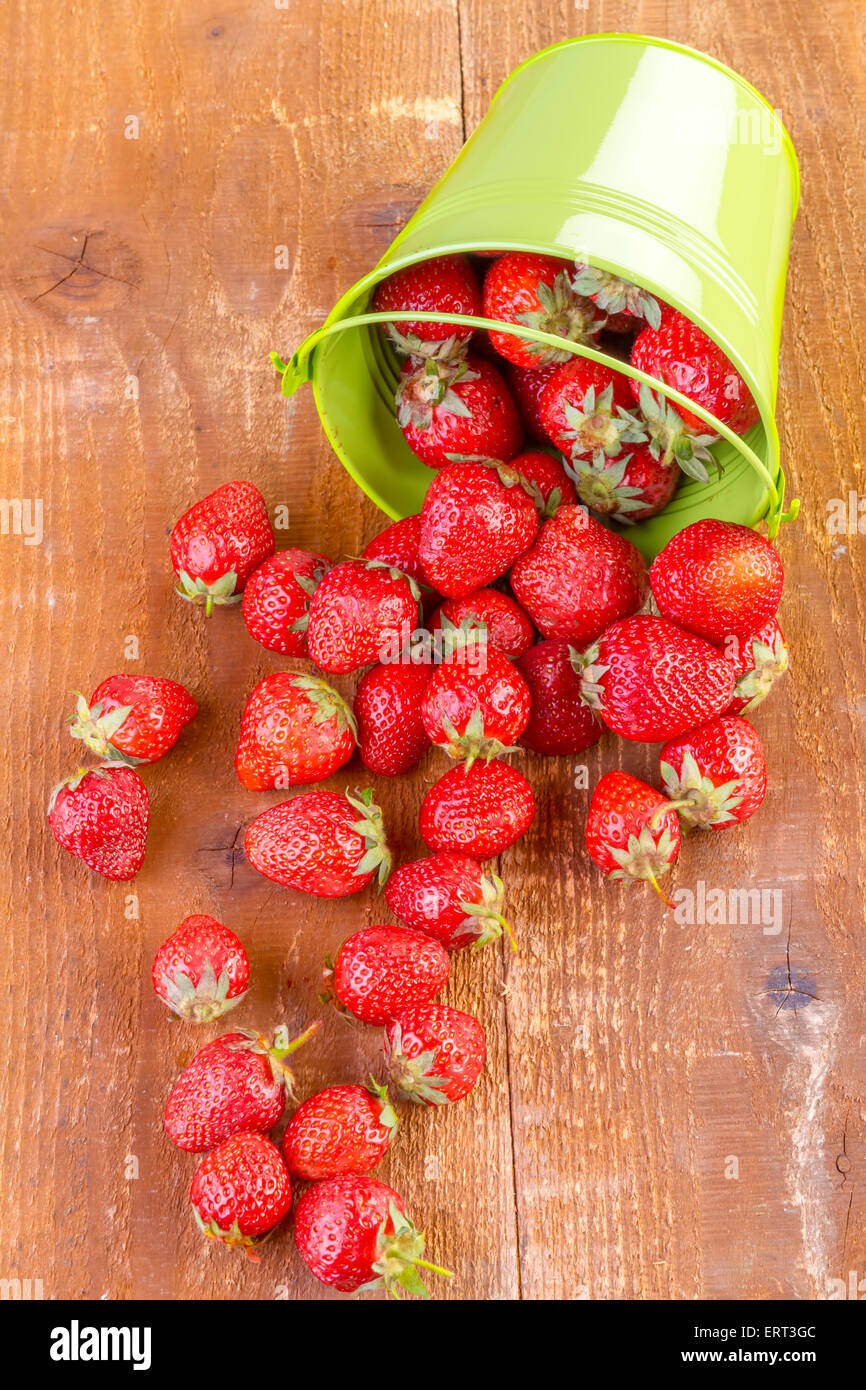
x=653, y=41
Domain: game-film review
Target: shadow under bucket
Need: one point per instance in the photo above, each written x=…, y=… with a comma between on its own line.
x=647, y=159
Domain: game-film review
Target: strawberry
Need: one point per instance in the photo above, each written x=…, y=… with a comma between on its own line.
x=237, y=1082
x=631, y=830
x=442, y=284
x=718, y=579
x=397, y=547
x=758, y=663
x=450, y=897
x=503, y=622
x=715, y=775
x=476, y=704
x=241, y=1192
x=360, y=608
x=527, y=387
x=651, y=680
x=680, y=354
x=619, y=299
x=434, y=1054
x=324, y=843
x=578, y=578
x=201, y=970
x=276, y=600
x=294, y=729
x=479, y=812
x=380, y=971
x=585, y=410
x=456, y=408
x=133, y=719
x=219, y=542
x=391, y=735
x=476, y=520
x=101, y=816
x=342, y=1129
x=628, y=488
x=535, y=291
x=559, y=721
x=549, y=484
x=352, y=1233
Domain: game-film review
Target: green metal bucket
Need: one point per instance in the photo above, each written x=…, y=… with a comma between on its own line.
x=645, y=158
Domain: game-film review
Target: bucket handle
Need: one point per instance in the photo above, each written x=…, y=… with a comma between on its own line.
x=299, y=369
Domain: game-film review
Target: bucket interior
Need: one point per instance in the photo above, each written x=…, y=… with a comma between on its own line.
x=355, y=376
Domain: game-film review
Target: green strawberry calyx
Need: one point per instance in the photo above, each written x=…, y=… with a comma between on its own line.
x=431, y=388
x=601, y=485
x=196, y=591
x=415, y=1078
x=670, y=441
x=308, y=583
x=96, y=729
x=387, y=1114
x=473, y=742
x=394, y=572
x=399, y=1256
x=232, y=1236
x=564, y=314
x=646, y=858
x=598, y=427
x=770, y=662
x=485, y=919
x=328, y=704
x=451, y=349
x=586, y=665
x=371, y=827
x=699, y=801
x=74, y=781
x=276, y=1051
x=202, y=1002
x=614, y=295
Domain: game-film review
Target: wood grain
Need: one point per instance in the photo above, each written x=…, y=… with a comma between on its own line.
x=155, y=162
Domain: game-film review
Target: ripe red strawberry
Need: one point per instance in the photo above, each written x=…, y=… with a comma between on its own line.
x=559, y=721
x=101, y=816
x=578, y=578
x=681, y=355
x=548, y=481
x=457, y=408
x=476, y=520
x=758, y=663
x=535, y=291
x=241, y=1192
x=503, y=622
x=324, y=843
x=619, y=299
x=450, y=897
x=360, y=609
x=294, y=729
x=718, y=579
x=277, y=599
x=133, y=719
x=219, y=542
x=443, y=284
x=237, y=1082
x=479, y=812
x=527, y=387
x=201, y=970
x=632, y=832
x=343, y=1129
x=352, y=1233
x=391, y=735
x=476, y=704
x=628, y=488
x=397, y=547
x=380, y=971
x=715, y=775
x=585, y=409
x=651, y=680
x=434, y=1054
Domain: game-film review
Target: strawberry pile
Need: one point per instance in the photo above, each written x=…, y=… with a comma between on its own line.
x=504, y=618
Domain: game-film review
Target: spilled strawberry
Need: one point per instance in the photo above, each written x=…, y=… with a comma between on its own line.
x=379, y=971
x=475, y=704
x=391, y=733
x=101, y=816
x=360, y=609
x=324, y=843
x=342, y=1129
x=201, y=970
x=241, y=1192
x=718, y=579
x=219, y=542
x=631, y=830
x=450, y=897
x=434, y=1054
x=715, y=775
x=479, y=811
x=294, y=729
x=276, y=600
x=133, y=719
x=475, y=521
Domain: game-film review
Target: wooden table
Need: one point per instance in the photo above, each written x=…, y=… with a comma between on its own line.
x=652, y=1124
